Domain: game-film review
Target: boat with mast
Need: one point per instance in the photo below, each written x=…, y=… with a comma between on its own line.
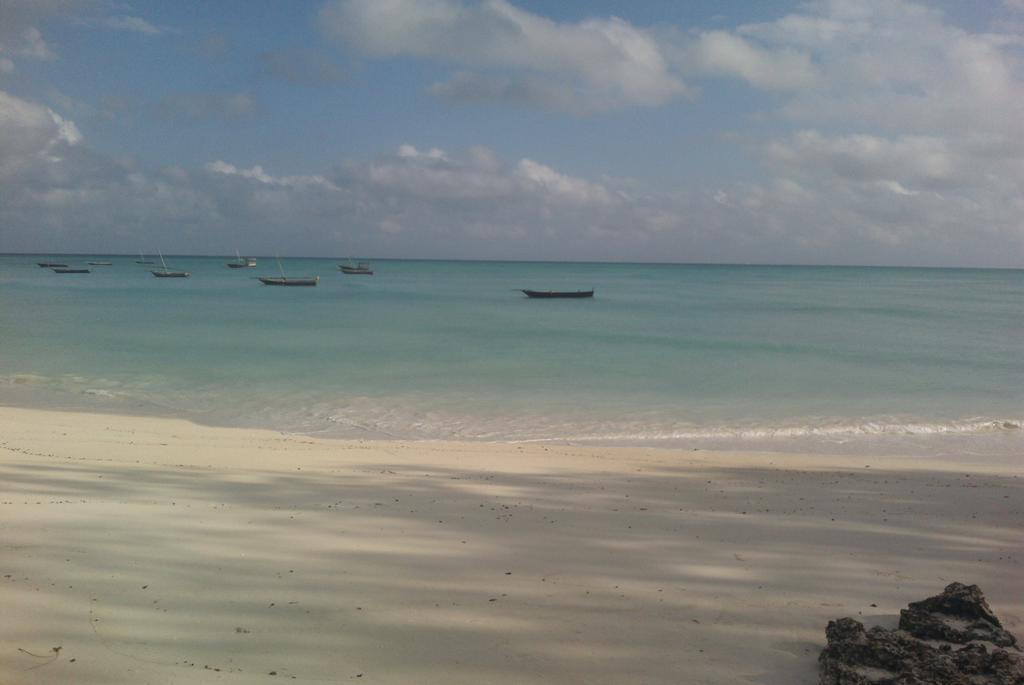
x=285, y=280
x=167, y=273
x=143, y=260
x=360, y=269
x=242, y=262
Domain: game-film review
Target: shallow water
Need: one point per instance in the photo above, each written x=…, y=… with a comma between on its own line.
x=725, y=356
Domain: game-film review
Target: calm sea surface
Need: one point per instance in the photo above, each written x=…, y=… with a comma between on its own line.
x=681, y=355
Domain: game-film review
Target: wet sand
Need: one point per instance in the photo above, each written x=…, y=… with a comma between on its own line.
x=160, y=551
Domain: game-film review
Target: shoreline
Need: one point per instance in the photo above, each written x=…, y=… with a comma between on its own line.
x=987, y=439
x=160, y=550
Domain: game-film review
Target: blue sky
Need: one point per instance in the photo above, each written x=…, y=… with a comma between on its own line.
x=829, y=131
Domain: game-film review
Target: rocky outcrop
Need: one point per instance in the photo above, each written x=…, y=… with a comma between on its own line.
x=950, y=639
x=959, y=615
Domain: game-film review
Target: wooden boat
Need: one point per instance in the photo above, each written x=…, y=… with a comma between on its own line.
x=143, y=260
x=241, y=262
x=71, y=270
x=101, y=263
x=167, y=273
x=551, y=294
x=51, y=265
x=360, y=269
x=284, y=280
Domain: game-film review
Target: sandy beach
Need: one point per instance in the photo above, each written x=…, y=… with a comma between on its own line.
x=160, y=551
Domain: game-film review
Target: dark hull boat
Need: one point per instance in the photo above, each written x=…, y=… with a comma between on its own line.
x=167, y=273
x=144, y=261
x=71, y=270
x=283, y=280
x=51, y=265
x=360, y=269
x=552, y=294
x=101, y=263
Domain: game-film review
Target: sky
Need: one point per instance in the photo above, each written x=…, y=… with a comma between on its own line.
x=877, y=132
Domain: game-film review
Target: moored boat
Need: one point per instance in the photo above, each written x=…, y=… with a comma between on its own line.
x=167, y=273
x=71, y=270
x=552, y=294
x=100, y=263
x=242, y=262
x=284, y=280
x=360, y=269
x=143, y=260
x=51, y=265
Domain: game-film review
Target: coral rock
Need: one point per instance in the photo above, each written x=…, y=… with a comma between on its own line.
x=941, y=641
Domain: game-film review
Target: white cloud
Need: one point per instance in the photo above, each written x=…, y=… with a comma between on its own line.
x=19, y=26
x=125, y=22
x=29, y=44
x=256, y=173
x=31, y=134
x=836, y=205
x=919, y=160
x=722, y=53
x=609, y=62
x=925, y=121
x=410, y=152
x=899, y=66
x=20, y=21
x=415, y=175
x=895, y=137
x=562, y=186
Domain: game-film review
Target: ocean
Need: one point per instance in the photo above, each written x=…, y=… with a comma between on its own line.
x=908, y=360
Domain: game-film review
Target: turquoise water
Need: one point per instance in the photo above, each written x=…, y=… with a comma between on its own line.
x=664, y=354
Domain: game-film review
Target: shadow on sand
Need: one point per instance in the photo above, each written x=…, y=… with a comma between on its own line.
x=405, y=573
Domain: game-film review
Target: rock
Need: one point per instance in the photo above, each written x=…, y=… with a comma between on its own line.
x=960, y=614
x=855, y=656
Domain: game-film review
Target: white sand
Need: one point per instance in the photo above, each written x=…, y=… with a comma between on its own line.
x=157, y=551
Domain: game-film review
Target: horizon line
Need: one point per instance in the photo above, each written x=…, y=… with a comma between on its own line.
x=523, y=261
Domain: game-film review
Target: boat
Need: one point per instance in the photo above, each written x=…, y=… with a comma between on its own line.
x=167, y=273
x=242, y=262
x=101, y=263
x=285, y=280
x=51, y=265
x=360, y=269
x=551, y=294
x=71, y=270
x=143, y=260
